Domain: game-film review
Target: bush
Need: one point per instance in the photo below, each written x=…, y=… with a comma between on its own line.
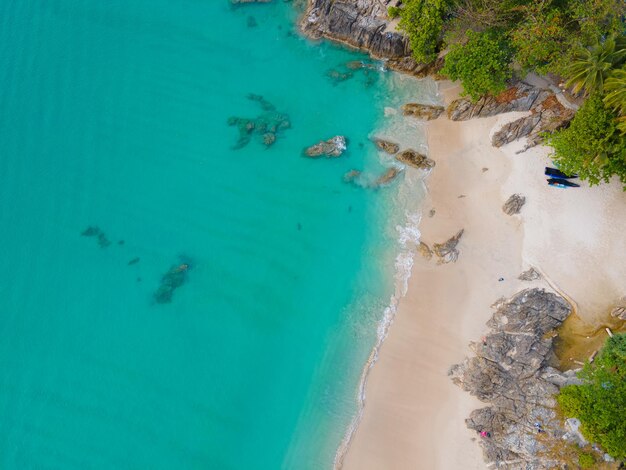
x=422, y=21
x=600, y=402
x=586, y=460
x=591, y=146
x=393, y=12
x=482, y=64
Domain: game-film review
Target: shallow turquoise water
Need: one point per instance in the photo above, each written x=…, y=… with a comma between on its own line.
x=114, y=114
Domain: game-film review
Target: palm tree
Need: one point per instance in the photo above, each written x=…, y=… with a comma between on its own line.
x=615, y=89
x=592, y=66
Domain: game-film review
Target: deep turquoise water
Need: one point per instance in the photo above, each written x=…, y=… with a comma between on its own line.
x=114, y=114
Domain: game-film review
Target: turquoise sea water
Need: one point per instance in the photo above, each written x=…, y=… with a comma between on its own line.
x=114, y=115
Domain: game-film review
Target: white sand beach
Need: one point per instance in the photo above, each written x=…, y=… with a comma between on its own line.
x=414, y=415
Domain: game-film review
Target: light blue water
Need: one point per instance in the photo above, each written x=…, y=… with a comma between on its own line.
x=114, y=114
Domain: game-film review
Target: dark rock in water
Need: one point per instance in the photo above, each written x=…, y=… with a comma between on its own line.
x=415, y=159
x=251, y=22
x=351, y=176
x=514, y=204
x=511, y=372
x=269, y=138
x=333, y=147
x=240, y=2
x=426, y=112
x=387, y=177
x=94, y=231
x=91, y=231
x=359, y=64
x=530, y=275
x=267, y=125
x=172, y=280
x=133, y=261
x=386, y=146
x=447, y=251
x=337, y=76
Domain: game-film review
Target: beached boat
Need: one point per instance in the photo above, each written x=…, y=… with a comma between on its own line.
x=562, y=183
x=556, y=173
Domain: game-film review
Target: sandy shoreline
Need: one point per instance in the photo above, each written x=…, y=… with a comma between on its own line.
x=414, y=415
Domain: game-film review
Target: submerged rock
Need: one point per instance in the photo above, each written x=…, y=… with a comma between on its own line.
x=386, y=146
x=333, y=147
x=513, y=204
x=94, y=231
x=511, y=372
x=415, y=159
x=426, y=112
x=447, y=251
x=351, y=176
x=337, y=76
x=387, y=177
x=175, y=277
x=267, y=125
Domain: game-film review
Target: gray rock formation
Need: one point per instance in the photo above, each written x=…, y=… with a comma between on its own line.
x=332, y=147
x=530, y=275
x=361, y=24
x=546, y=116
x=417, y=160
x=447, y=251
x=513, y=204
x=520, y=97
x=426, y=112
x=364, y=24
x=511, y=372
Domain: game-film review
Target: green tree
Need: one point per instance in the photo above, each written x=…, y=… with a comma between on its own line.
x=482, y=64
x=422, y=21
x=591, y=146
x=600, y=402
x=591, y=66
x=542, y=39
x=615, y=88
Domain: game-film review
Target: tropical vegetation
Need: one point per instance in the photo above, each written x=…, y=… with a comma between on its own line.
x=485, y=42
x=600, y=401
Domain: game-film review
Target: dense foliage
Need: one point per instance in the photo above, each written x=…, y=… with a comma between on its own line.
x=600, y=403
x=592, y=145
x=482, y=64
x=423, y=21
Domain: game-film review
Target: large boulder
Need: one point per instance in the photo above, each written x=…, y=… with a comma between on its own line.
x=386, y=146
x=415, y=159
x=426, y=112
x=332, y=147
x=520, y=97
x=546, y=115
x=514, y=204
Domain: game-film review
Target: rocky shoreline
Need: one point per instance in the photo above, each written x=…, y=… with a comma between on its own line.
x=512, y=372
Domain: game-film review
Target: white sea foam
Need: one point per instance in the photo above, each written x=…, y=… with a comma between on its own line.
x=404, y=132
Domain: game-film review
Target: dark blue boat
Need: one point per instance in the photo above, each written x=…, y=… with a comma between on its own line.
x=556, y=173
x=562, y=183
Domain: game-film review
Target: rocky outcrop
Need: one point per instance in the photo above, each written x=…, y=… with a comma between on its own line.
x=364, y=24
x=514, y=204
x=447, y=251
x=511, y=372
x=546, y=115
x=530, y=274
x=266, y=125
x=520, y=97
x=425, y=112
x=415, y=159
x=386, y=146
x=332, y=147
x=361, y=24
